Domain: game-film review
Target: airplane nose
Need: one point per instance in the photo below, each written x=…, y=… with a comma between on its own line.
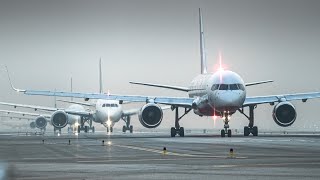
x=229, y=100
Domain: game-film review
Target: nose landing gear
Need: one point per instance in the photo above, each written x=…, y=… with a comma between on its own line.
x=127, y=127
x=226, y=129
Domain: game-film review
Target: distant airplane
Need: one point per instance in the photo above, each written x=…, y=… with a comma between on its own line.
x=109, y=112
x=222, y=93
x=37, y=120
x=59, y=118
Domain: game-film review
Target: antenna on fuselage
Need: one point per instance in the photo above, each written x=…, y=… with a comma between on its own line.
x=202, y=48
x=100, y=78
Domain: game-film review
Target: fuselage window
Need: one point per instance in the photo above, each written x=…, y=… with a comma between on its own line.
x=108, y=105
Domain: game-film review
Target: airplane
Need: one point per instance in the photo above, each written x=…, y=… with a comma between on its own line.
x=221, y=93
x=109, y=112
x=39, y=122
x=59, y=118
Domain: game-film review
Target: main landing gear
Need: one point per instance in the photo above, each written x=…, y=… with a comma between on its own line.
x=250, y=129
x=55, y=129
x=127, y=126
x=177, y=129
x=226, y=129
x=84, y=128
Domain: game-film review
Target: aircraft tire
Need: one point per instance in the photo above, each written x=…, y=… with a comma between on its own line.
x=255, y=131
x=229, y=132
x=131, y=129
x=181, y=132
x=246, y=131
x=223, y=133
x=173, y=132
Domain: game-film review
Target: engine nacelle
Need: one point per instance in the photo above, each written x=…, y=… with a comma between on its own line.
x=41, y=122
x=32, y=125
x=284, y=114
x=59, y=119
x=150, y=115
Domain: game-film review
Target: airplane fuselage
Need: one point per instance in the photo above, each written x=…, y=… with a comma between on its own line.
x=108, y=112
x=218, y=94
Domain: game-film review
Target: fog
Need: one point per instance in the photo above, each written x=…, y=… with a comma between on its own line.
x=45, y=43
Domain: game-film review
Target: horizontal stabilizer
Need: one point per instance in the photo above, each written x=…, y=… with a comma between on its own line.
x=259, y=82
x=178, y=88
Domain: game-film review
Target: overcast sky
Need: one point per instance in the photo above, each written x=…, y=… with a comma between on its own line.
x=44, y=43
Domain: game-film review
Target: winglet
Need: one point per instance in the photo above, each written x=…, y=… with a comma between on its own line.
x=15, y=89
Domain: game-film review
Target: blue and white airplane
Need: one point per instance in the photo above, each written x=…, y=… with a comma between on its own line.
x=222, y=93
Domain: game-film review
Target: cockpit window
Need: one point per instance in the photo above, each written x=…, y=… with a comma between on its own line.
x=241, y=87
x=103, y=105
x=108, y=105
x=215, y=87
x=114, y=105
x=224, y=87
x=234, y=87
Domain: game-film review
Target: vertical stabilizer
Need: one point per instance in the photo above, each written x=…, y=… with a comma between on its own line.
x=100, y=78
x=202, y=48
x=71, y=87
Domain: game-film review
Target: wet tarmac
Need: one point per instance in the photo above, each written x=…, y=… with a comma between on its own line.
x=142, y=156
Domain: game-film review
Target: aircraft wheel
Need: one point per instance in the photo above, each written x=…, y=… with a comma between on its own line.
x=181, y=132
x=131, y=129
x=246, y=131
x=255, y=131
x=93, y=129
x=86, y=129
x=78, y=129
x=111, y=129
x=124, y=129
x=229, y=132
x=223, y=133
x=173, y=132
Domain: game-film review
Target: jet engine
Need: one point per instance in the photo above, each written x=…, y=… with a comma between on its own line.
x=150, y=115
x=284, y=114
x=59, y=119
x=32, y=125
x=41, y=122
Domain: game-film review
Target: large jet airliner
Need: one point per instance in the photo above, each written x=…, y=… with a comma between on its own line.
x=222, y=93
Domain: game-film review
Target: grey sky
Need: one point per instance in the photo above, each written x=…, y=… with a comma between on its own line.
x=44, y=43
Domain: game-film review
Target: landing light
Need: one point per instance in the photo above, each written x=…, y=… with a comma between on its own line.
x=108, y=123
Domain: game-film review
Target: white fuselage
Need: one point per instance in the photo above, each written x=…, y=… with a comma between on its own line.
x=108, y=112
x=218, y=94
x=74, y=119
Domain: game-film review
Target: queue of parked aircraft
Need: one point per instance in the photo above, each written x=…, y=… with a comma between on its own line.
x=221, y=94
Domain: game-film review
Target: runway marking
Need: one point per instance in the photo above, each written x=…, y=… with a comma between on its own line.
x=173, y=153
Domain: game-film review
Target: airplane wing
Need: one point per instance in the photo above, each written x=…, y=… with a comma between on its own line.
x=25, y=113
x=73, y=112
x=17, y=117
x=76, y=102
x=259, y=82
x=29, y=106
x=162, y=86
x=280, y=98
